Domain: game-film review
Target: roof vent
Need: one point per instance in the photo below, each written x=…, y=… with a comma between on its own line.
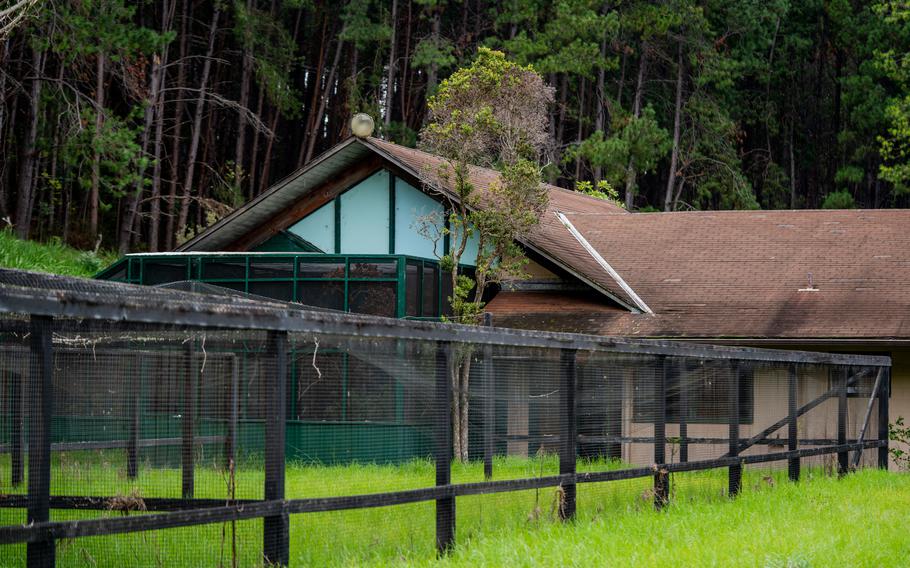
x=811, y=287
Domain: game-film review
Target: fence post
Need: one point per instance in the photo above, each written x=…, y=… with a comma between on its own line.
x=843, y=458
x=682, y=377
x=132, y=448
x=736, y=471
x=233, y=410
x=661, y=478
x=445, y=507
x=275, y=529
x=189, y=422
x=568, y=435
x=39, y=448
x=17, y=433
x=489, y=403
x=793, y=464
x=884, y=394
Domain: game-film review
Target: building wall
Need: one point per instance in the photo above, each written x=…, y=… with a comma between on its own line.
x=900, y=387
x=770, y=386
x=375, y=216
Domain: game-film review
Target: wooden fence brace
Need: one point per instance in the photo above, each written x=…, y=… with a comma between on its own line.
x=868, y=414
x=233, y=411
x=735, y=472
x=763, y=435
x=276, y=528
x=793, y=464
x=445, y=507
x=683, y=383
x=661, y=479
x=843, y=458
x=489, y=403
x=132, y=446
x=187, y=456
x=17, y=433
x=884, y=396
x=41, y=396
x=568, y=451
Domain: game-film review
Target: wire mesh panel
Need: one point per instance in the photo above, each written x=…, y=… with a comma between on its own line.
x=181, y=429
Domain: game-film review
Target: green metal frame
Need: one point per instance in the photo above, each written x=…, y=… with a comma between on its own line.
x=138, y=267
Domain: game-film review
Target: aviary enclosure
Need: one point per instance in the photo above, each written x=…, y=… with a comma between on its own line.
x=148, y=426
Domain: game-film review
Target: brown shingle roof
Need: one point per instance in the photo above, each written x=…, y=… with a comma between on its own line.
x=739, y=273
x=550, y=237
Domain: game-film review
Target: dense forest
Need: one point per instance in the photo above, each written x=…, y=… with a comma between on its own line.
x=133, y=124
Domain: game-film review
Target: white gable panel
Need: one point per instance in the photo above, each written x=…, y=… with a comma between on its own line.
x=365, y=216
x=318, y=228
x=471, y=248
x=412, y=208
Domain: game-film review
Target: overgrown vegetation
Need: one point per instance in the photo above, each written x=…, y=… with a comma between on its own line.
x=817, y=522
x=52, y=256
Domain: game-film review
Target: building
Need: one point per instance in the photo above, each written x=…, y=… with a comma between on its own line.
x=343, y=233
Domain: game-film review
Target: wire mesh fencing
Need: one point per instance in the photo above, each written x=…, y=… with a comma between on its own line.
x=159, y=427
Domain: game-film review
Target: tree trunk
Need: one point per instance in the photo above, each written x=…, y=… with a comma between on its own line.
x=128, y=224
x=580, y=134
x=27, y=171
x=95, y=195
x=631, y=174
x=197, y=126
x=677, y=112
x=433, y=71
x=390, y=79
x=601, y=104
x=792, y=171
x=178, y=123
x=323, y=101
x=314, y=101
x=245, y=75
x=404, y=103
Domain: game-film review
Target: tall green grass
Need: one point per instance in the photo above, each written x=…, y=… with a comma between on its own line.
x=822, y=521
x=53, y=256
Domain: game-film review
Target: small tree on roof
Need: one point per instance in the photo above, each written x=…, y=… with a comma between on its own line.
x=492, y=113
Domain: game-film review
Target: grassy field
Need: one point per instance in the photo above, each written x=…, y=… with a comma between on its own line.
x=857, y=521
x=54, y=257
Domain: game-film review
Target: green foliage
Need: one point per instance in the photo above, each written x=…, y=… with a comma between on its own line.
x=91, y=27
x=493, y=113
x=52, y=256
x=117, y=144
x=604, y=191
x=640, y=139
x=562, y=38
x=274, y=54
x=900, y=433
x=842, y=199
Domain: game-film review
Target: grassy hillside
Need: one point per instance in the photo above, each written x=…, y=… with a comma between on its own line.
x=54, y=257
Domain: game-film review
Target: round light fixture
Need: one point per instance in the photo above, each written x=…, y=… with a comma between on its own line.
x=362, y=125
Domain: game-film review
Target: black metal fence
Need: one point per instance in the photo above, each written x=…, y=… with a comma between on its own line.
x=149, y=426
